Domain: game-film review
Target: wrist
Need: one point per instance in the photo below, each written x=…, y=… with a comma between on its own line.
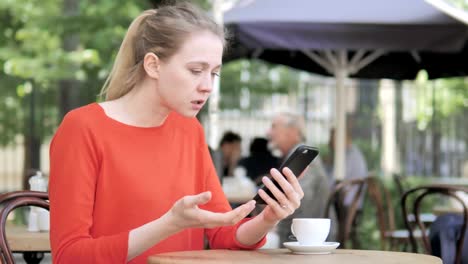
x=268, y=221
x=169, y=221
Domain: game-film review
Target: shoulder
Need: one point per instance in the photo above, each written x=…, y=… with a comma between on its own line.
x=82, y=113
x=355, y=150
x=315, y=172
x=78, y=126
x=317, y=163
x=80, y=118
x=188, y=124
x=356, y=153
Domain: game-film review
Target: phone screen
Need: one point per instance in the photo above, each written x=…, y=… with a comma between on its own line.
x=297, y=162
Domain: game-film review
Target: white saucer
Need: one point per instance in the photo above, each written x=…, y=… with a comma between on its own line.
x=325, y=248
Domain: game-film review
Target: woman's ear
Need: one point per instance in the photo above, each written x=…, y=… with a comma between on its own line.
x=151, y=64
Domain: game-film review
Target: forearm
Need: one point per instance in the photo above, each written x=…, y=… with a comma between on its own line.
x=253, y=231
x=142, y=238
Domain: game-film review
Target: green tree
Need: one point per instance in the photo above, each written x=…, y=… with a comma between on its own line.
x=257, y=77
x=440, y=100
x=56, y=54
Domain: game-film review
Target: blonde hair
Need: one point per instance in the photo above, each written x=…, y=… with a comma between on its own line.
x=161, y=31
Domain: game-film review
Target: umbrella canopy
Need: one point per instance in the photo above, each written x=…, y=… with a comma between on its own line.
x=358, y=38
x=410, y=35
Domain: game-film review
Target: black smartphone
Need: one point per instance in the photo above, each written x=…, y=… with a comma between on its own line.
x=298, y=161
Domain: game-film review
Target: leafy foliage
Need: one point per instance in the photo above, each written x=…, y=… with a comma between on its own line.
x=33, y=57
x=440, y=98
x=256, y=77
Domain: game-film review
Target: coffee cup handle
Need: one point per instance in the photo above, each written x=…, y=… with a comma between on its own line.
x=292, y=230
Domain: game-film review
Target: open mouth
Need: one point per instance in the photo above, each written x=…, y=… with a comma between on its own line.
x=198, y=102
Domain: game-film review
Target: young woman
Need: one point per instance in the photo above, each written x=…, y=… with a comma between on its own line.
x=132, y=176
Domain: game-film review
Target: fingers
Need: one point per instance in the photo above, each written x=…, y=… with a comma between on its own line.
x=198, y=199
x=281, y=211
x=287, y=195
x=277, y=193
x=294, y=181
x=210, y=219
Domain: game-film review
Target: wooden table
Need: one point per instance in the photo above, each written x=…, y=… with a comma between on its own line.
x=21, y=240
x=440, y=210
x=274, y=256
x=33, y=245
x=450, y=181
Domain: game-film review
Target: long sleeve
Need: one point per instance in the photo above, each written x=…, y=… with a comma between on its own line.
x=107, y=178
x=74, y=168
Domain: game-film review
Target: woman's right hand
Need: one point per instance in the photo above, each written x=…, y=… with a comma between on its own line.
x=185, y=213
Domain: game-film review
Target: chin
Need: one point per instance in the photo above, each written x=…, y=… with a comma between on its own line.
x=188, y=113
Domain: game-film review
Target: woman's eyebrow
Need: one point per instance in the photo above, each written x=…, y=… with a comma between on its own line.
x=205, y=64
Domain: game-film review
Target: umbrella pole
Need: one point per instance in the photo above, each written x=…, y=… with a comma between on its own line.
x=340, y=68
x=341, y=73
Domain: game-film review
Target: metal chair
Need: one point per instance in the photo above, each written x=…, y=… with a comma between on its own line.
x=422, y=192
x=346, y=214
x=11, y=201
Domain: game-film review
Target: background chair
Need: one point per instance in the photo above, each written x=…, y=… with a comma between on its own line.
x=419, y=194
x=382, y=200
x=346, y=214
x=9, y=202
x=402, y=186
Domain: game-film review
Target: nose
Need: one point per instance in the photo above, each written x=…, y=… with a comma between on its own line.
x=206, y=84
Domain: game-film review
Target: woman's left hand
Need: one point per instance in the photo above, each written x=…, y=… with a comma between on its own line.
x=287, y=201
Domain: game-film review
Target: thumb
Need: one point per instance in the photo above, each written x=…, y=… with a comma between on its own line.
x=198, y=199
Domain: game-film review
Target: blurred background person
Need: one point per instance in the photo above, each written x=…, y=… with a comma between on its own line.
x=260, y=160
x=356, y=167
x=230, y=151
x=287, y=132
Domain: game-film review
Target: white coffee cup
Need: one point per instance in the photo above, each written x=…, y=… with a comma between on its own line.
x=310, y=231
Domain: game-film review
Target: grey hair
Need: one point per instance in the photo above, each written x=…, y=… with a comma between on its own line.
x=296, y=121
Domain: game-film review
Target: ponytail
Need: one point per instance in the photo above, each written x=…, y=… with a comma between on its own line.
x=124, y=73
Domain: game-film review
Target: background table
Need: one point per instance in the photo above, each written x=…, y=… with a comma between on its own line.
x=440, y=210
x=273, y=256
x=21, y=240
x=33, y=245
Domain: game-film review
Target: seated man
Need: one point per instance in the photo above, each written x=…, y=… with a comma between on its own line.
x=286, y=133
x=228, y=154
x=356, y=167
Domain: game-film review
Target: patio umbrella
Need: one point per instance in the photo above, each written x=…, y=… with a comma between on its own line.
x=352, y=38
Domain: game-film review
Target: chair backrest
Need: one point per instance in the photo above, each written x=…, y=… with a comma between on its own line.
x=419, y=194
x=381, y=198
x=345, y=214
x=11, y=201
x=398, y=180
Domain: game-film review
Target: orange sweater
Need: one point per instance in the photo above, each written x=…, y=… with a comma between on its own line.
x=107, y=178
